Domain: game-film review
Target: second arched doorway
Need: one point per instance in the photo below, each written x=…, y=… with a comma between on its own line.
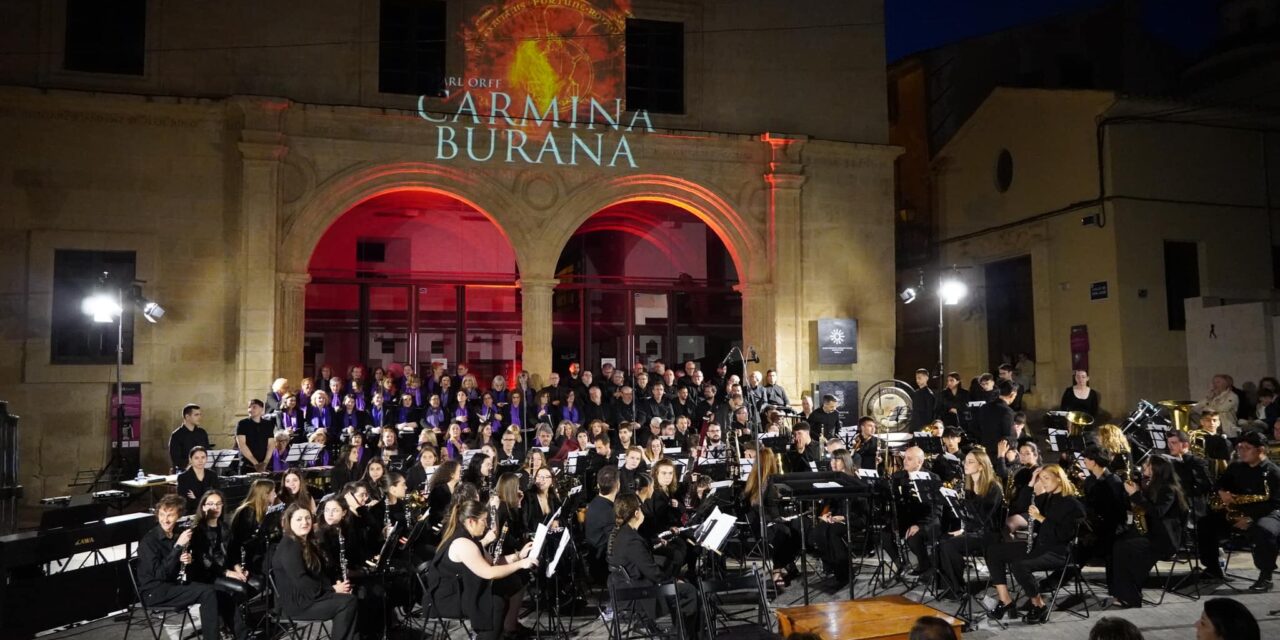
x=642, y=281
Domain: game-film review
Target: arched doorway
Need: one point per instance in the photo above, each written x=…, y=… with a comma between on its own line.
x=413, y=276
x=641, y=281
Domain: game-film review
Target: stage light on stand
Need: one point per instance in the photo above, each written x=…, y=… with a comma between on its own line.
x=952, y=291
x=102, y=306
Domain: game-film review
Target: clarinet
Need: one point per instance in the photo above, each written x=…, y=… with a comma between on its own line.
x=1031, y=531
x=182, y=571
x=342, y=554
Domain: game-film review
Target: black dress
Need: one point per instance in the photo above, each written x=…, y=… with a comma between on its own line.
x=1071, y=403
x=188, y=482
x=304, y=593
x=456, y=592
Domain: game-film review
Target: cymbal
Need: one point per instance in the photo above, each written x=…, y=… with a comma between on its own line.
x=1079, y=418
x=1181, y=405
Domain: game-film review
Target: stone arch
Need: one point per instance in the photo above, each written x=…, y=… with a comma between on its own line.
x=339, y=194
x=744, y=244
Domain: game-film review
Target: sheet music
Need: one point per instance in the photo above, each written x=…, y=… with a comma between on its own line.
x=564, y=542
x=574, y=491
x=721, y=525
x=723, y=484
x=868, y=473
x=539, y=539
x=826, y=485
x=921, y=475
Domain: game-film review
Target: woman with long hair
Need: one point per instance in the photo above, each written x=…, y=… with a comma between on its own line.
x=350, y=463
x=195, y=481
x=1111, y=438
x=1079, y=396
x=665, y=503
x=333, y=531
x=1158, y=503
x=303, y=591
x=480, y=473
x=1226, y=619
x=455, y=444
x=253, y=525
x=1018, y=484
x=953, y=401
x=423, y=467
x=653, y=452
x=542, y=500
x=375, y=476
x=569, y=409
x=1056, y=513
x=388, y=446
x=294, y=490
x=633, y=564
x=440, y=489
x=509, y=512
x=981, y=517
x=517, y=411
x=488, y=419
x=783, y=542
x=462, y=583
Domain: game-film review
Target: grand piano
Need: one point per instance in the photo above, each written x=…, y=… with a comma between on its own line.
x=59, y=576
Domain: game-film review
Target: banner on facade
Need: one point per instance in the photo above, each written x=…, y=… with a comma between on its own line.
x=544, y=83
x=846, y=393
x=837, y=341
x=132, y=414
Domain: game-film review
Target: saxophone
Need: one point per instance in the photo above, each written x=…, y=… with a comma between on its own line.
x=1230, y=511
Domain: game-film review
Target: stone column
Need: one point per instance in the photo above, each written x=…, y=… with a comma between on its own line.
x=261, y=147
x=786, y=260
x=759, y=323
x=291, y=307
x=535, y=303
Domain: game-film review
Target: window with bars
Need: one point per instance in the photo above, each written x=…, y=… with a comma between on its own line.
x=655, y=66
x=411, y=46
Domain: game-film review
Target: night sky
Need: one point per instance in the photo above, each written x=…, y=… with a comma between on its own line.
x=916, y=25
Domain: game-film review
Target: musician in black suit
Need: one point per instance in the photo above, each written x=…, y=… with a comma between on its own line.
x=825, y=420
x=866, y=447
x=1192, y=471
x=918, y=513
x=189, y=434
x=1105, y=503
x=656, y=406
x=161, y=555
x=924, y=404
x=803, y=451
x=1250, y=488
x=298, y=572
x=995, y=418
x=598, y=523
x=1159, y=511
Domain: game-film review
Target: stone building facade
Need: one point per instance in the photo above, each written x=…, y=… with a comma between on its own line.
x=245, y=136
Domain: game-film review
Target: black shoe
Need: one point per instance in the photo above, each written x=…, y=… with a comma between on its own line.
x=1212, y=573
x=1001, y=611
x=1037, y=615
x=1262, y=585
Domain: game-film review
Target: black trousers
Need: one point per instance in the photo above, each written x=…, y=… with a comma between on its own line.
x=952, y=552
x=1011, y=557
x=1263, y=533
x=185, y=595
x=1131, y=561
x=920, y=544
x=339, y=608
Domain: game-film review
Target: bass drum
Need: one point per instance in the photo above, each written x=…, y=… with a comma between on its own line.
x=888, y=402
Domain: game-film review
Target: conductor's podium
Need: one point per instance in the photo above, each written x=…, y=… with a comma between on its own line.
x=883, y=618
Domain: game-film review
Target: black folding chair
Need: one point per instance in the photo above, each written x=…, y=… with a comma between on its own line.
x=1071, y=576
x=632, y=619
x=1189, y=555
x=298, y=628
x=149, y=612
x=728, y=605
x=435, y=623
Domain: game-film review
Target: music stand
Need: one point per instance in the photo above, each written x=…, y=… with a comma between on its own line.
x=221, y=460
x=931, y=445
x=1060, y=442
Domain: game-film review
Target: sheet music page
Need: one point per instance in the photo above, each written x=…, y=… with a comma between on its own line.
x=564, y=542
x=539, y=539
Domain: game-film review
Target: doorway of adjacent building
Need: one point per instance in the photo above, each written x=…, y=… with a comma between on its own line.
x=1011, y=322
x=643, y=281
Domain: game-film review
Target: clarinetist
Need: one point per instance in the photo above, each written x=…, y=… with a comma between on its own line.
x=161, y=555
x=1055, y=516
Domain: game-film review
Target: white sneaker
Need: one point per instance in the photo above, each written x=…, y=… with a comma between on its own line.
x=606, y=615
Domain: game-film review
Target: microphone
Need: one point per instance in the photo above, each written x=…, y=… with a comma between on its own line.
x=754, y=358
x=727, y=356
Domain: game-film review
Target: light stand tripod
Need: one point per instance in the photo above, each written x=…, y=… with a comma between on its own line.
x=116, y=461
x=754, y=419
